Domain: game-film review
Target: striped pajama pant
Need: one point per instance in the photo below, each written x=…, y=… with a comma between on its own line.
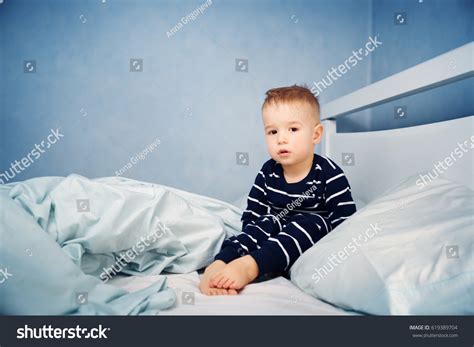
x=274, y=243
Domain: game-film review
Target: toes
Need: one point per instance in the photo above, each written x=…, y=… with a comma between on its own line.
x=232, y=292
x=235, y=285
x=227, y=283
x=204, y=289
x=221, y=282
x=218, y=291
x=215, y=280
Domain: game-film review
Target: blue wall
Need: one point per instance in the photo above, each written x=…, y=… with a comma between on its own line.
x=432, y=27
x=189, y=95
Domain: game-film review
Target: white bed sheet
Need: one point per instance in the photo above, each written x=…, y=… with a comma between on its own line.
x=277, y=296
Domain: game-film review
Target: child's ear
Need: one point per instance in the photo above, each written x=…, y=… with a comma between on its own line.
x=318, y=133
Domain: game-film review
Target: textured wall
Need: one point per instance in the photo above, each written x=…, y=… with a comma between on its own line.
x=170, y=91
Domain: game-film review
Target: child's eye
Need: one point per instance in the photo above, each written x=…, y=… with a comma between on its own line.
x=272, y=132
x=294, y=129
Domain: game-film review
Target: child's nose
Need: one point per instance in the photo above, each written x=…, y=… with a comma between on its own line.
x=282, y=138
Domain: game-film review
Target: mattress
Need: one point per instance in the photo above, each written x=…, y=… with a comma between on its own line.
x=277, y=296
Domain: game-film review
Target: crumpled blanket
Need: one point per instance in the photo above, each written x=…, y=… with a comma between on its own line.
x=62, y=239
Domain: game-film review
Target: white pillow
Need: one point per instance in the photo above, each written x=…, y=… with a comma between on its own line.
x=413, y=254
x=360, y=204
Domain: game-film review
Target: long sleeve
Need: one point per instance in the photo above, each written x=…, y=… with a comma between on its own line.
x=337, y=196
x=257, y=204
x=301, y=231
x=275, y=242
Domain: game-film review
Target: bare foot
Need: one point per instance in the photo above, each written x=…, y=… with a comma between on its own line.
x=236, y=275
x=212, y=269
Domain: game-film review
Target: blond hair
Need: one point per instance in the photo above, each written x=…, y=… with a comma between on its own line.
x=292, y=94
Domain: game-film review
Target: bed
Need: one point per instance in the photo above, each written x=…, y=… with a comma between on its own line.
x=419, y=264
x=277, y=296
x=353, y=152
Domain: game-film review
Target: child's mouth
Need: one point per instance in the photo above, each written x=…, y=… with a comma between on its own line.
x=283, y=153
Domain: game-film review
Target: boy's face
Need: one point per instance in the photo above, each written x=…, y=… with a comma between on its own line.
x=291, y=127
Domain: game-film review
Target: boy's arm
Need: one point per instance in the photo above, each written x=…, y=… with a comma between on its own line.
x=338, y=197
x=257, y=205
x=279, y=253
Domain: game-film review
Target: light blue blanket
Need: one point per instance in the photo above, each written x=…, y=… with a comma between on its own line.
x=61, y=239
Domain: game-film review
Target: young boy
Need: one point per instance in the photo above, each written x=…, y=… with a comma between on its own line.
x=297, y=198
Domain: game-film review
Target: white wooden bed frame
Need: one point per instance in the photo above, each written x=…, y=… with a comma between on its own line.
x=375, y=161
